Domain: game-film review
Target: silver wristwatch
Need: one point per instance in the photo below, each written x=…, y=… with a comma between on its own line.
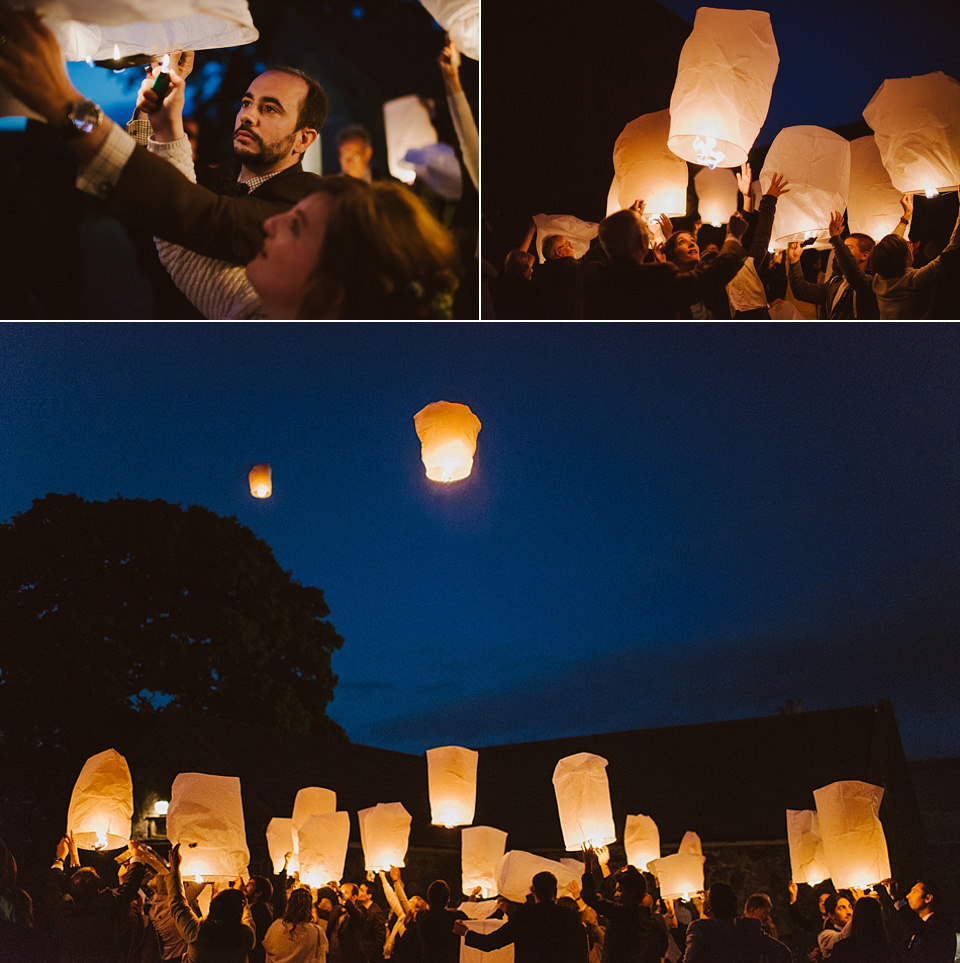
x=83, y=116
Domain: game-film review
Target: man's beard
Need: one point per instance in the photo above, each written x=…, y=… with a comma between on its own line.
x=258, y=155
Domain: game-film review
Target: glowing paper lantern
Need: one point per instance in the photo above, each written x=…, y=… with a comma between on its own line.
x=478, y=910
x=873, y=207
x=691, y=844
x=853, y=840
x=724, y=80
x=481, y=849
x=436, y=165
x=646, y=169
x=679, y=875
x=261, y=482
x=470, y=955
x=206, y=818
x=717, y=192
x=384, y=834
x=452, y=780
x=101, y=803
x=516, y=870
x=280, y=841
x=448, y=439
x=583, y=801
x=579, y=233
x=312, y=801
x=807, y=861
x=461, y=19
x=916, y=121
x=407, y=124
x=641, y=840
x=816, y=164
x=322, y=848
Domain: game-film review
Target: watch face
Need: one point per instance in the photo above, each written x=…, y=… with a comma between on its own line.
x=84, y=116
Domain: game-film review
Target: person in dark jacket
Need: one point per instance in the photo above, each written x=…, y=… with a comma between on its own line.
x=926, y=933
x=867, y=941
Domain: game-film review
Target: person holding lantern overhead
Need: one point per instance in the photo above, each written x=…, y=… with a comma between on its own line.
x=926, y=934
x=838, y=910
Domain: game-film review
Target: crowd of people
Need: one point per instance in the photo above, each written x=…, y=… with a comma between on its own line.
x=275, y=241
x=641, y=267
x=154, y=914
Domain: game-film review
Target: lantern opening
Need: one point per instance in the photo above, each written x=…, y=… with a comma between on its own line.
x=707, y=153
x=931, y=192
x=261, y=481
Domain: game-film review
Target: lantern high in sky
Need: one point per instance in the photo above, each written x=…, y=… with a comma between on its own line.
x=384, y=835
x=448, y=436
x=646, y=169
x=261, y=481
x=583, y=801
x=724, y=82
x=452, y=781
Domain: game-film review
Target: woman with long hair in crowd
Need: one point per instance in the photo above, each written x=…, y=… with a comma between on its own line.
x=296, y=938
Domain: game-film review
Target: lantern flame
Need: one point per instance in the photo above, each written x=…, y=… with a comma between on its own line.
x=198, y=878
x=116, y=52
x=165, y=63
x=101, y=842
x=707, y=152
x=931, y=192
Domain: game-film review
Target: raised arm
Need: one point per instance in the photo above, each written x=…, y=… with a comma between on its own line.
x=463, y=121
x=802, y=288
x=906, y=202
x=768, y=210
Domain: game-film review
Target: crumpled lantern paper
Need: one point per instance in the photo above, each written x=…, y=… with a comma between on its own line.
x=481, y=849
x=916, y=121
x=717, y=194
x=579, y=233
x=854, y=843
x=724, y=81
x=478, y=909
x=679, y=875
x=406, y=122
x=101, y=803
x=280, y=841
x=384, y=835
x=322, y=844
x=452, y=782
x=641, y=840
x=461, y=19
x=470, y=955
x=583, y=801
x=448, y=440
x=206, y=818
x=516, y=870
x=873, y=207
x=807, y=861
x=646, y=169
x=816, y=164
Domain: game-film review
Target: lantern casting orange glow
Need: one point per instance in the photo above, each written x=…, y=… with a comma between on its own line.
x=261, y=481
x=448, y=436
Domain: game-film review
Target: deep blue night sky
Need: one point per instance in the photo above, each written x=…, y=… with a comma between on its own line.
x=667, y=523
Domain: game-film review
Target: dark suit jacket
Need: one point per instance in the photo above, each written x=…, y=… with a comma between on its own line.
x=540, y=933
x=154, y=195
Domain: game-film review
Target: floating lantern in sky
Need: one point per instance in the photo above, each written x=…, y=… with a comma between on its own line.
x=816, y=165
x=578, y=233
x=641, y=840
x=916, y=121
x=724, y=80
x=406, y=122
x=690, y=844
x=807, y=862
x=873, y=207
x=854, y=845
x=517, y=869
x=280, y=841
x=646, y=169
x=322, y=848
x=384, y=835
x=717, y=193
x=206, y=818
x=101, y=803
x=312, y=801
x=461, y=19
x=448, y=439
x=583, y=801
x=261, y=481
x=452, y=781
x=481, y=849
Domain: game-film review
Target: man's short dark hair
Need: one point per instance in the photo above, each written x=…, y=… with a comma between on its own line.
x=84, y=884
x=830, y=904
x=314, y=106
x=545, y=887
x=354, y=132
x=721, y=902
x=438, y=894
x=631, y=882
x=864, y=242
x=931, y=887
x=757, y=901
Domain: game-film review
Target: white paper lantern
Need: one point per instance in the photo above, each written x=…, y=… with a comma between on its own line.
x=478, y=909
x=461, y=19
x=679, y=875
x=641, y=840
x=717, y=193
x=312, y=801
x=448, y=440
x=469, y=955
x=873, y=207
x=807, y=861
x=724, y=80
x=206, y=818
x=583, y=801
x=261, y=481
x=646, y=169
x=916, y=121
x=579, y=233
x=280, y=841
x=481, y=849
x=516, y=870
x=816, y=164
x=384, y=834
x=101, y=803
x=853, y=840
x=407, y=125
x=452, y=781
x=322, y=848
x=691, y=844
